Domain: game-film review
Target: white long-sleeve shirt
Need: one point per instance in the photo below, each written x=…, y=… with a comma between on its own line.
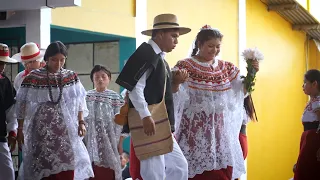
x=18, y=80
x=12, y=122
x=137, y=94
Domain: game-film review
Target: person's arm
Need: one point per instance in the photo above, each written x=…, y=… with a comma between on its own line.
x=81, y=128
x=137, y=96
x=139, y=102
x=12, y=125
x=178, y=77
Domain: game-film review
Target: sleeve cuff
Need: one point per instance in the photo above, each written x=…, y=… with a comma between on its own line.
x=144, y=113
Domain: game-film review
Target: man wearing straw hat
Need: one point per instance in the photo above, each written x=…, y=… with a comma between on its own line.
x=148, y=79
x=31, y=58
x=8, y=123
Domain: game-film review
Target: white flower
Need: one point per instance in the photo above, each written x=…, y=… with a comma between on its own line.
x=252, y=54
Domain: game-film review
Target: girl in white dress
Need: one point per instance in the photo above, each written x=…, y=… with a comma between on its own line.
x=103, y=137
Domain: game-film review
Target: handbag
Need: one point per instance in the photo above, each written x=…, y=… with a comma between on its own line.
x=122, y=118
x=158, y=144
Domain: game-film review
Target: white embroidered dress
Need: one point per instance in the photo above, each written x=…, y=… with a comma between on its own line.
x=103, y=133
x=51, y=140
x=209, y=114
x=18, y=80
x=309, y=114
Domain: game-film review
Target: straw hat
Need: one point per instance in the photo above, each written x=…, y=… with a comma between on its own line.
x=4, y=54
x=29, y=52
x=166, y=21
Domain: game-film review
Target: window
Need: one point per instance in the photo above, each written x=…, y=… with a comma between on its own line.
x=82, y=57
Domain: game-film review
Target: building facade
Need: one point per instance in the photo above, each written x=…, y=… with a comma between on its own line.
x=107, y=32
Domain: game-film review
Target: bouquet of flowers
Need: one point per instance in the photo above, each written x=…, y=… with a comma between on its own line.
x=250, y=55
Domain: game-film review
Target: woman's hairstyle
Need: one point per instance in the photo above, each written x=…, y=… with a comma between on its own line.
x=55, y=48
x=205, y=35
x=313, y=75
x=249, y=108
x=98, y=68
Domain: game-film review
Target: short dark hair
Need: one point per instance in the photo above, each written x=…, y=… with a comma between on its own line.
x=313, y=75
x=55, y=48
x=98, y=68
x=156, y=31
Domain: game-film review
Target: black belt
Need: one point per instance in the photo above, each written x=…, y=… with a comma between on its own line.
x=310, y=125
x=243, y=129
x=3, y=139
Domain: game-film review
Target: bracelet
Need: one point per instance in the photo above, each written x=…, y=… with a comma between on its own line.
x=20, y=128
x=12, y=134
x=82, y=122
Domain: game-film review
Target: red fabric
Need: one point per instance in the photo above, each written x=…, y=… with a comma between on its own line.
x=64, y=175
x=4, y=53
x=101, y=173
x=31, y=56
x=26, y=72
x=13, y=134
x=308, y=164
x=134, y=164
x=222, y=174
x=244, y=145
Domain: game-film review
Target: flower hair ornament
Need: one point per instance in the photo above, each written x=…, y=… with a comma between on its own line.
x=208, y=27
x=205, y=27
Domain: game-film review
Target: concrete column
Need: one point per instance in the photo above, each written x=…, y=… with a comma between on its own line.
x=38, y=26
x=141, y=21
x=242, y=43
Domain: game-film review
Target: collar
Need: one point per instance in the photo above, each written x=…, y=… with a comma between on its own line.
x=26, y=72
x=156, y=48
x=124, y=168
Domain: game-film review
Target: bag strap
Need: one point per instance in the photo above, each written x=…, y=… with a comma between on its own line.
x=165, y=84
x=165, y=79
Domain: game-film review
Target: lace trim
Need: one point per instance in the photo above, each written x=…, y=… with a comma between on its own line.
x=208, y=129
x=27, y=97
x=42, y=95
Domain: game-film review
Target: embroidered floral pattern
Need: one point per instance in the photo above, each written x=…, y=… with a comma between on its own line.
x=206, y=77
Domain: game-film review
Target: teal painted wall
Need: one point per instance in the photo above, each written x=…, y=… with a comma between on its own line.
x=17, y=37
x=127, y=45
x=13, y=37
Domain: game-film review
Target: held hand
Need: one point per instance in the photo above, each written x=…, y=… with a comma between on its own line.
x=20, y=138
x=12, y=141
x=120, y=148
x=81, y=130
x=149, y=126
x=180, y=76
x=120, y=145
x=255, y=64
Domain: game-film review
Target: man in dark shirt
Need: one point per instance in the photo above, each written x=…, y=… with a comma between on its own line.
x=8, y=123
